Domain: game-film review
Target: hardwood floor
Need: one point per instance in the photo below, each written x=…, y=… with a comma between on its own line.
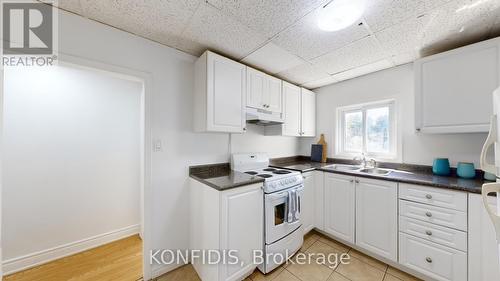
x=119, y=260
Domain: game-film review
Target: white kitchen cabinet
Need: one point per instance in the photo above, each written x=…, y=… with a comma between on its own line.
x=319, y=200
x=291, y=96
x=308, y=113
x=220, y=220
x=263, y=91
x=483, y=249
x=377, y=217
x=220, y=94
x=339, y=202
x=308, y=208
x=453, y=90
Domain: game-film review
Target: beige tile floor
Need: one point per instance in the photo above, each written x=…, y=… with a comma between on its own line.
x=360, y=268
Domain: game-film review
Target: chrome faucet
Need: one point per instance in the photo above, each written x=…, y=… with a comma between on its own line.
x=364, y=162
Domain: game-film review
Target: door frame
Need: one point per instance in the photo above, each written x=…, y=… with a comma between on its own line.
x=146, y=148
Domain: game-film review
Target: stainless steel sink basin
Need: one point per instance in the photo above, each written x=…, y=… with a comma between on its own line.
x=343, y=167
x=375, y=171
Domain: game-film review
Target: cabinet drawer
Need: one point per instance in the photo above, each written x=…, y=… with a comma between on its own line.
x=434, y=196
x=438, y=234
x=441, y=216
x=436, y=261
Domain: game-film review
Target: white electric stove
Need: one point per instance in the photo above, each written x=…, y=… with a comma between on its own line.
x=283, y=192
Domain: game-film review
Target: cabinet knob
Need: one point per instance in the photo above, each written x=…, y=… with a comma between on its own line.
x=428, y=232
x=351, y=181
x=357, y=181
x=429, y=214
x=428, y=196
x=428, y=259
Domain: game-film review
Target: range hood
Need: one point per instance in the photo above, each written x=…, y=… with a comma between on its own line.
x=263, y=117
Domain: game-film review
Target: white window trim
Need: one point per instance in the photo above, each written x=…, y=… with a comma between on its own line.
x=394, y=141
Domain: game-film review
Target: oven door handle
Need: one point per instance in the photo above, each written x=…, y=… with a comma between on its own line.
x=285, y=193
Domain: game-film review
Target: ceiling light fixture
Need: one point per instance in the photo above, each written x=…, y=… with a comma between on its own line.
x=339, y=14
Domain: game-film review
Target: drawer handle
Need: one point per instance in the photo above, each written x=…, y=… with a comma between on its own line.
x=428, y=232
x=428, y=259
x=429, y=214
x=428, y=196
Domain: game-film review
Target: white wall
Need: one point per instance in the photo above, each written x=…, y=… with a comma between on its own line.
x=172, y=73
x=396, y=83
x=255, y=141
x=72, y=157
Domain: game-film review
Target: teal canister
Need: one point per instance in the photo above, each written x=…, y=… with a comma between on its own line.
x=441, y=167
x=466, y=170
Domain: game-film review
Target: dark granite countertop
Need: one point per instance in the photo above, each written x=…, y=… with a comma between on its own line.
x=221, y=177
x=405, y=173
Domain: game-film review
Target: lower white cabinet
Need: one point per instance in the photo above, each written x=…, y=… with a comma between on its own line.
x=220, y=220
x=307, y=212
x=483, y=252
x=377, y=217
x=339, y=202
x=319, y=200
x=434, y=260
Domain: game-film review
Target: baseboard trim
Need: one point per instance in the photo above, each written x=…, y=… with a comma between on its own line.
x=164, y=268
x=31, y=260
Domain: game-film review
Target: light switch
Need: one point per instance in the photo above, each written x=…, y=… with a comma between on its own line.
x=158, y=146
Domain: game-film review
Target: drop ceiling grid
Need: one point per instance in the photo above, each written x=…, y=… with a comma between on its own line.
x=399, y=29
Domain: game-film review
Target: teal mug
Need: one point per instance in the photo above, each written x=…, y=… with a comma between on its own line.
x=466, y=170
x=441, y=167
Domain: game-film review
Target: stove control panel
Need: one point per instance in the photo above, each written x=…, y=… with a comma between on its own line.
x=283, y=183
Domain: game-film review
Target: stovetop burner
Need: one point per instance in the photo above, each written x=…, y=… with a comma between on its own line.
x=281, y=172
x=269, y=169
x=265, y=176
x=251, y=173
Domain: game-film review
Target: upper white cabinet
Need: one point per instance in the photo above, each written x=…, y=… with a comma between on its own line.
x=300, y=111
x=453, y=90
x=263, y=91
x=377, y=217
x=308, y=113
x=340, y=206
x=291, y=96
x=220, y=94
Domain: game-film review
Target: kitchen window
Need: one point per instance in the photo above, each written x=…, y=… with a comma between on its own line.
x=367, y=128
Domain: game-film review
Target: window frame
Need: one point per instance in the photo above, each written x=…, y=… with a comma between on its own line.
x=393, y=130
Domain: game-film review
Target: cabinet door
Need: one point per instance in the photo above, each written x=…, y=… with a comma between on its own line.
x=308, y=113
x=226, y=94
x=319, y=200
x=291, y=96
x=307, y=215
x=483, y=249
x=274, y=97
x=339, y=206
x=241, y=208
x=257, y=84
x=454, y=89
x=377, y=217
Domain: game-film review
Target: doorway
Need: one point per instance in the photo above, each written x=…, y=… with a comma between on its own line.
x=74, y=163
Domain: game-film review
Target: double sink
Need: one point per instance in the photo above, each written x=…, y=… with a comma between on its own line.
x=358, y=169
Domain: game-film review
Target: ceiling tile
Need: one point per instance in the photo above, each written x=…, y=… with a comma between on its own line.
x=215, y=30
x=272, y=59
x=168, y=15
x=459, y=23
x=68, y=5
x=307, y=41
x=267, y=17
x=362, y=70
x=380, y=14
x=359, y=53
x=302, y=74
x=320, y=83
x=403, y=38
x=495, y=28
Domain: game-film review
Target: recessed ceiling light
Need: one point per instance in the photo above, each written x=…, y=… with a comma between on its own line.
x=339, y=14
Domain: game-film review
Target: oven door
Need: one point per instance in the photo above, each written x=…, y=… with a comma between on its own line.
x=276, y=208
